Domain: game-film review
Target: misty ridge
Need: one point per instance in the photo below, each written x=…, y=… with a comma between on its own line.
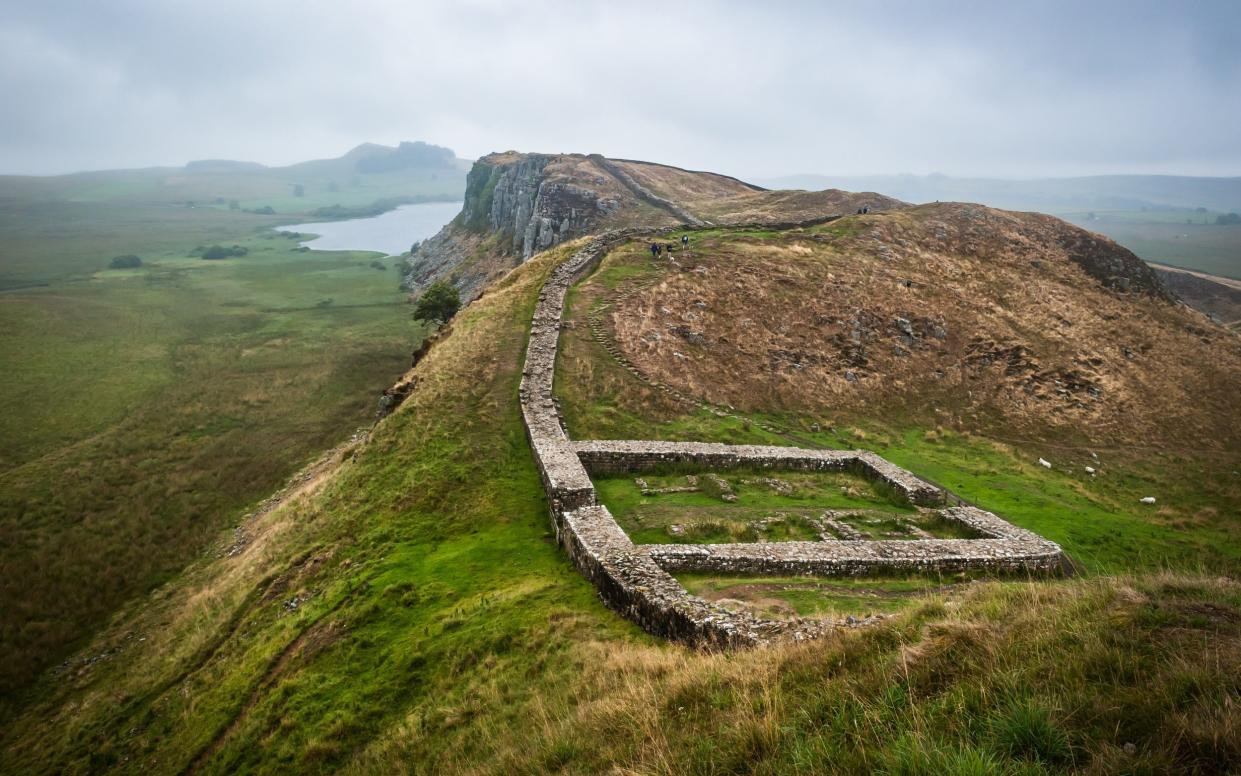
x=695, y=388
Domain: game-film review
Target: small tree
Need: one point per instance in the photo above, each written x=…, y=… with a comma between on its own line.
x=299, y=190
x=128, y=261
x=439, y=303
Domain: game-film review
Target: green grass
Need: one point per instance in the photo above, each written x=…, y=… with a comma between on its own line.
x=705, y=517
x=1098, y=520
x=440, y=630
x=143, y=409
x=817, y=597
x=1165, y=238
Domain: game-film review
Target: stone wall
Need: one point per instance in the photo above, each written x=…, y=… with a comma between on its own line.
x=636, y=580
x=643, y=193
x=616, y=456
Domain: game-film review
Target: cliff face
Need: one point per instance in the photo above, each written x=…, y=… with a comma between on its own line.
x=531, y=209
x=517, y=205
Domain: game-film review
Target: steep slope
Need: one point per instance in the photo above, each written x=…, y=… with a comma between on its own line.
x=953, y=314
x=406, y=609
x=519, y=204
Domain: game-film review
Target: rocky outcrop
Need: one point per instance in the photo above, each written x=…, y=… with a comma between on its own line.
x=1113, y=265
x=1219, y=298
x=526, y=208
x=515, y=205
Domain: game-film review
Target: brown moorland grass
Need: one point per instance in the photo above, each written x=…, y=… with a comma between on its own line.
x=995, y=332
x=413, y=615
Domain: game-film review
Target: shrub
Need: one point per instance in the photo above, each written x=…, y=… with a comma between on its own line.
x=438, y=303
x=220, y=252
x=128, y=261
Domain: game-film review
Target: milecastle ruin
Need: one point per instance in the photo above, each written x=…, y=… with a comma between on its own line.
x=637, y=581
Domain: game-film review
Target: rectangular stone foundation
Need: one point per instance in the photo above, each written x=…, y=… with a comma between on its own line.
x=623, y=456
x=636, y=581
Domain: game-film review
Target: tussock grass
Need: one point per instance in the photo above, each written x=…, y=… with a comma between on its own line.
x=1009, y=680
x=439, y=630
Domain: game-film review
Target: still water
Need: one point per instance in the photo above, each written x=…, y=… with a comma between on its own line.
x=390, y=233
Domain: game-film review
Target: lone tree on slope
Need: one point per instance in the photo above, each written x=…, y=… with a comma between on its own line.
x=438, y=303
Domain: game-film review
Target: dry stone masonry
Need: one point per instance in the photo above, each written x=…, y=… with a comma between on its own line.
x=636, y=580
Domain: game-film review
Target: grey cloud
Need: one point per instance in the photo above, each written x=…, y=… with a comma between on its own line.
x=747, y=88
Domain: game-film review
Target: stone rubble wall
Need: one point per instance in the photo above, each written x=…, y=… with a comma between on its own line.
x=858, y=558
x=636, y=580
x=632, y=583
x=643, y=193
x=621, y=456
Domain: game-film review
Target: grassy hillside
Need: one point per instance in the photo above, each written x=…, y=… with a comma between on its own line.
x=143, y=409
x=1162, y=218
x=408, y=612
x=721, y=325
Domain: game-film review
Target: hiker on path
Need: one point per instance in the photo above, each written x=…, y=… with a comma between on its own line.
x=685, y=241
x=654, y=251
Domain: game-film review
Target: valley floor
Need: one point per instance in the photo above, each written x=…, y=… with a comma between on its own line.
x=144, y=409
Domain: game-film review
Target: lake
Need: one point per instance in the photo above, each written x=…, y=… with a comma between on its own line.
x=389, y=233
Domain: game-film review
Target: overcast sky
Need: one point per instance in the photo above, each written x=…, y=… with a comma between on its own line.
x=749, y=88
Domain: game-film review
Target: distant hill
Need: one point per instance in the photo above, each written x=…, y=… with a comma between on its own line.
x=222, y=165
x=369, y=173
x=1167, y=219
x=1096, y=192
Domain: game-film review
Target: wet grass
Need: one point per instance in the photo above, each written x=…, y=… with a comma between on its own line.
x=1098, y=519
x=818, y=597
x=752, y=505
x=143, y=409
x=440, y=630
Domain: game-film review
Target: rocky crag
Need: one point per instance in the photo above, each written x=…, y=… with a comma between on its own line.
x=519, y=204
x=637, y=580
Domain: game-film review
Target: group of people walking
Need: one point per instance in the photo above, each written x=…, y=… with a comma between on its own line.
x=658, y=249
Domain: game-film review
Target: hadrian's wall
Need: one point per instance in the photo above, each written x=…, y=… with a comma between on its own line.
x=635, y=580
